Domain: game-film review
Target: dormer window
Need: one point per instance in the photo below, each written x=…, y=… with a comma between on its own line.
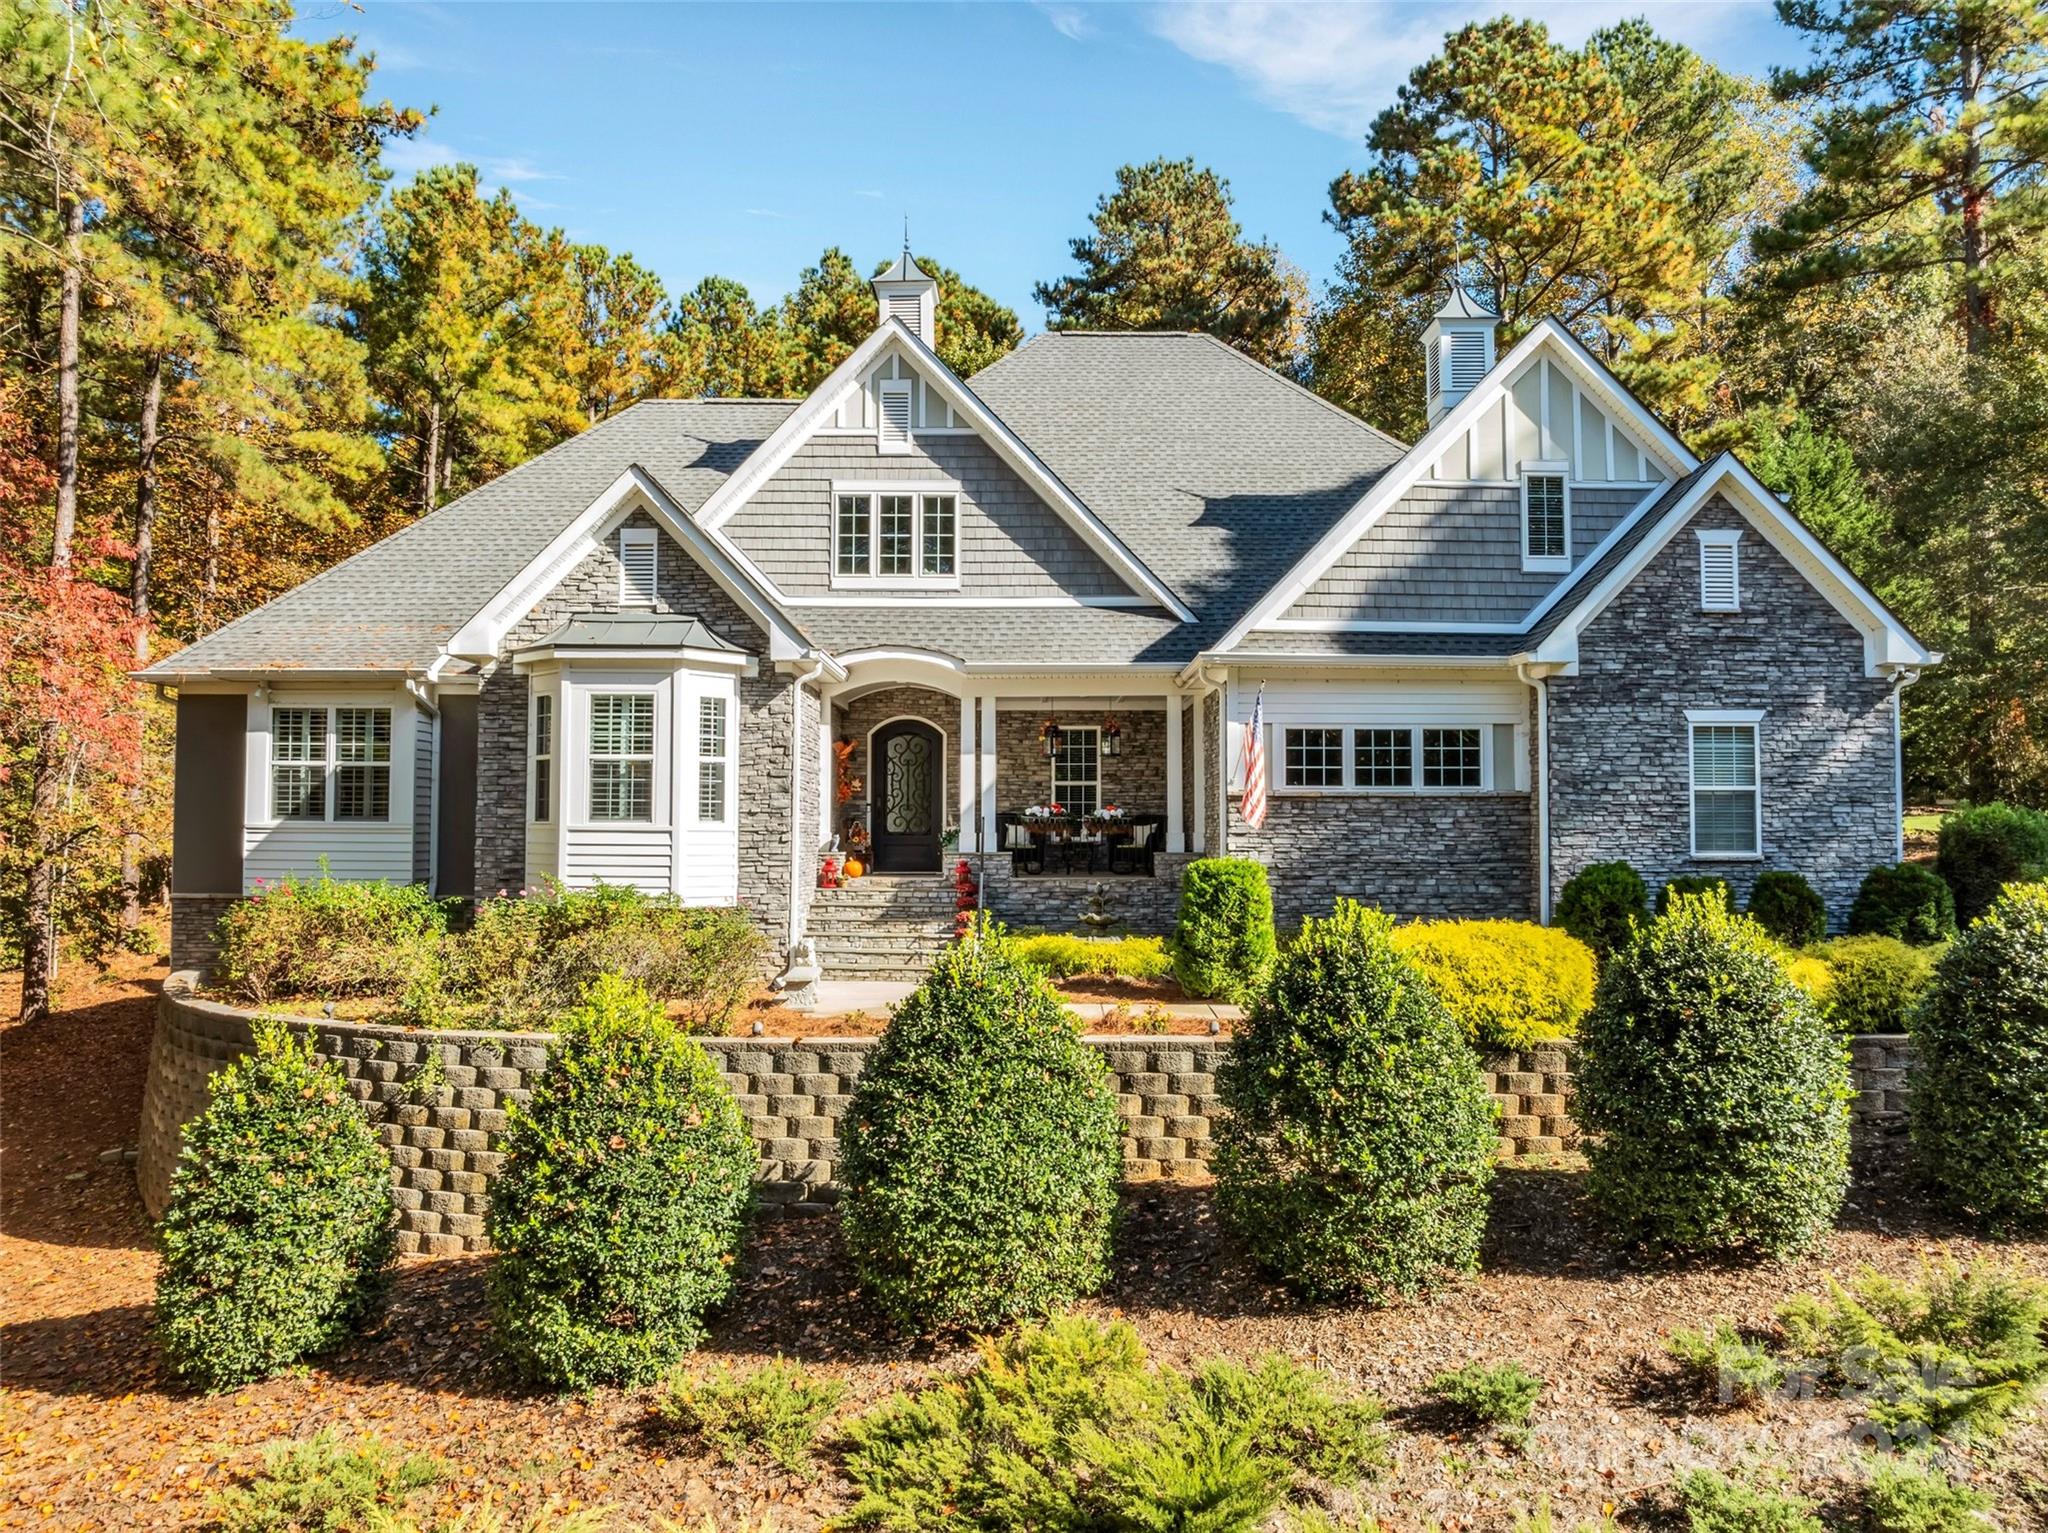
x=638, y=560
x=895, y=535
x=1546, y=517
x=1720, y=570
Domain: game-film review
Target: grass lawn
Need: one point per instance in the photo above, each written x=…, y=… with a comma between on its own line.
x=1923, y=824
x=95, y=1437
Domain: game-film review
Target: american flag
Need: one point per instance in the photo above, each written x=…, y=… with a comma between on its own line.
x=1253, y=806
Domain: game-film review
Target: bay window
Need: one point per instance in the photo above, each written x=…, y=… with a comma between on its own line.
x=712, y=765
x=622, y=756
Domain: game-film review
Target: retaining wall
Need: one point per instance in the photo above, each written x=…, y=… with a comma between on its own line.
x=442, y=1121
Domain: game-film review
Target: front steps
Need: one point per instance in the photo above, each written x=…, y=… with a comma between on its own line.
x=883, y=926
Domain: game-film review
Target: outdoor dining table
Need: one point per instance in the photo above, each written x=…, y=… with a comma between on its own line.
x=1073, y=838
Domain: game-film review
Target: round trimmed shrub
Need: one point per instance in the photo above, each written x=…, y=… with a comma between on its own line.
x=1788, y=907
x=1718, y=1095
x=1695, y=883
x=1983, y=848
x=981, y=1151
x=618, y=1214
x=1906, y=901
x=1876, y=982
x=1223, y=942
x=1507, y=983
x=1360, y=1140
x=1601, y=905
x=281, y=1229
x=1979, y=1102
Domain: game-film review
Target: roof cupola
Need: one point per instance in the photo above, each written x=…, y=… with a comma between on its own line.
x=1457, y=348
x=907, y=293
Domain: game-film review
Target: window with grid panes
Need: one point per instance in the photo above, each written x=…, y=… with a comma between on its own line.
x=1383, y=758
x=543, y=758
x=711, y=764
x=854, y=533
x=941, y=518
x=895, y=535
x=1077, y=771
x=1312, y=758
x=1451, y=758
x=622, y=756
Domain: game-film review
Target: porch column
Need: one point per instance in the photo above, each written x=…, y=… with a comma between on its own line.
x=970, y=777
x=828, y=787
x=1176, y=837
x=1200, y=700
x=988, y=774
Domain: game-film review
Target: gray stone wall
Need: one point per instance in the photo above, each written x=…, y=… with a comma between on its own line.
x=194, y=918
x=864, y=714
x=1619, y=769
x=445, y=1134
x=1465, y=854
x=1142, y=906
x=1135, y=780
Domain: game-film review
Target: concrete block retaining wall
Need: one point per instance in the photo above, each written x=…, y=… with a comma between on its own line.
x=443, y=1122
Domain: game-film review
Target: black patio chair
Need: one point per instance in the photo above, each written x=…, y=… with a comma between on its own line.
x=1133, y=854
x=1027, y=852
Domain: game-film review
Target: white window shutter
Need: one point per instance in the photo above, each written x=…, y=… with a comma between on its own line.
x=894, y=427
x=1720, y=575
x=637, y=565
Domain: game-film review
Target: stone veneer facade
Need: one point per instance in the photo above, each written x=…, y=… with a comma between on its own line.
x=1619, y=774
x=444, y=1135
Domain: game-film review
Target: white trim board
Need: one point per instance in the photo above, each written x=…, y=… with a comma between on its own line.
x=1549, y=339
x=809, y=418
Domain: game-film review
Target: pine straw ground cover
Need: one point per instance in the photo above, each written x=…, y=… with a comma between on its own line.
x=91, y=1436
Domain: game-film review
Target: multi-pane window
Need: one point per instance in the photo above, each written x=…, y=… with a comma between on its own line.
x=1724, y=790
x=1383, y=758
x=362, y=769
x=896, y=537
x=330, y=762
x=711, y=763
x=854, y=543
x=941, y=518
x=622, y=756
x=1077, y=771
x=895, y=556
x=1451, y=758
x=1543, y=518
x=1312, y=758
x=543, y=758
x=298, y=754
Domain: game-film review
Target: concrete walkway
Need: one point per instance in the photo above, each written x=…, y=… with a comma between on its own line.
x=839, y=997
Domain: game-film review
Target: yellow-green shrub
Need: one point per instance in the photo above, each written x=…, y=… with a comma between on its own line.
x=1812, y=973
x=1063, y=955
x=1509, y=983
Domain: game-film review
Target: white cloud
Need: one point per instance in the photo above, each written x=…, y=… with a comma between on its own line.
x=1070, y=21
x=765, y=213
x=1335, y=67
x=409, y=156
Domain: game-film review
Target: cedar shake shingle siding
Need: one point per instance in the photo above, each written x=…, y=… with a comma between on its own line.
x=1010, y=542
x=1619, y=769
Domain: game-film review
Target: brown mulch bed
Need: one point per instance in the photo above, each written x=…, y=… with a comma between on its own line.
x=92, y=1436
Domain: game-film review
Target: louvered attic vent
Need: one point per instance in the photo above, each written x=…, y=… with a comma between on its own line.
x=894, y=431
x=637, y=561
x=1468, y=361
x=1720, y=573
x=906, y=308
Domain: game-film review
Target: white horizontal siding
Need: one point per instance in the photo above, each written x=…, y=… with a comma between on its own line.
x=641, y=856
x=294, y=850
x=710, y=868
x=540, y=853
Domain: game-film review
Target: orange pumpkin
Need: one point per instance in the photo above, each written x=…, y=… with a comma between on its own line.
x=855, y=867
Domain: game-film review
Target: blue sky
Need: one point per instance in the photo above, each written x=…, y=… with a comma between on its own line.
x=744, y=139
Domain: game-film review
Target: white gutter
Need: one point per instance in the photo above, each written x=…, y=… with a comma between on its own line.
x=1542, y=687
x=1902, y=678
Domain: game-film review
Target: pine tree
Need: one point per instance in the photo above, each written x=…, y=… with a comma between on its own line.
x=725, y=347
x=626, y=350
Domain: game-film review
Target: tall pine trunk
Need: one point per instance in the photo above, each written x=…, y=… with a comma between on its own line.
x=46, y=782
x=431, y=458
x=147, y=438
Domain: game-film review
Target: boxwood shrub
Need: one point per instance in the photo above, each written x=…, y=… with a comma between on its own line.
x=980, y=1154
x=1508, y=983
x=1985, y=847
x=1708, y=884
x=331, y=937
x=1876, y=982
x=1359, y=1145
x=624, y=1193
x=1788, y=907
x=1979, y=1101
x=1223, y=942
x=281, y=1229
x=1601, y=905
x=1718, y=1095
x=1906, y=901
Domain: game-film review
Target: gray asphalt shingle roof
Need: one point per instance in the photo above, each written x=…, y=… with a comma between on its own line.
x=392, y=606
x=1006, y=635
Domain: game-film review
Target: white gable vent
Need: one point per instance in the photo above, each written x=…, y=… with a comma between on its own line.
x=637, y=563
x=1720, y=571
x=909, y=309
x=893, y=395
x=1468, y=360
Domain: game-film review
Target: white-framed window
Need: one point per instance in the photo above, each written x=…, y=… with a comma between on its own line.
x=330, y=763
x=543, y=758
x=1726, y=789
x=622, y=756
x=1077, y=769
x=1720, y=569
x=639, y=558
x=1546, y=516
x=896, y=537
x=1397, y=758
x=713, y=766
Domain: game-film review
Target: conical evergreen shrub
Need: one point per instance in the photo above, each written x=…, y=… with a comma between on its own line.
x=1718, y=1095
x=1360, y=1140
x=281, y=1229
x=981, y=1151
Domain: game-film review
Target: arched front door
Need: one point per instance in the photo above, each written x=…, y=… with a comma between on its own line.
x=909, y=773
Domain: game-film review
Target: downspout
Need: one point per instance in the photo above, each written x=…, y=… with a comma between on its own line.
x=1901, y=679
x=1542, y=688
x=796, y=845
